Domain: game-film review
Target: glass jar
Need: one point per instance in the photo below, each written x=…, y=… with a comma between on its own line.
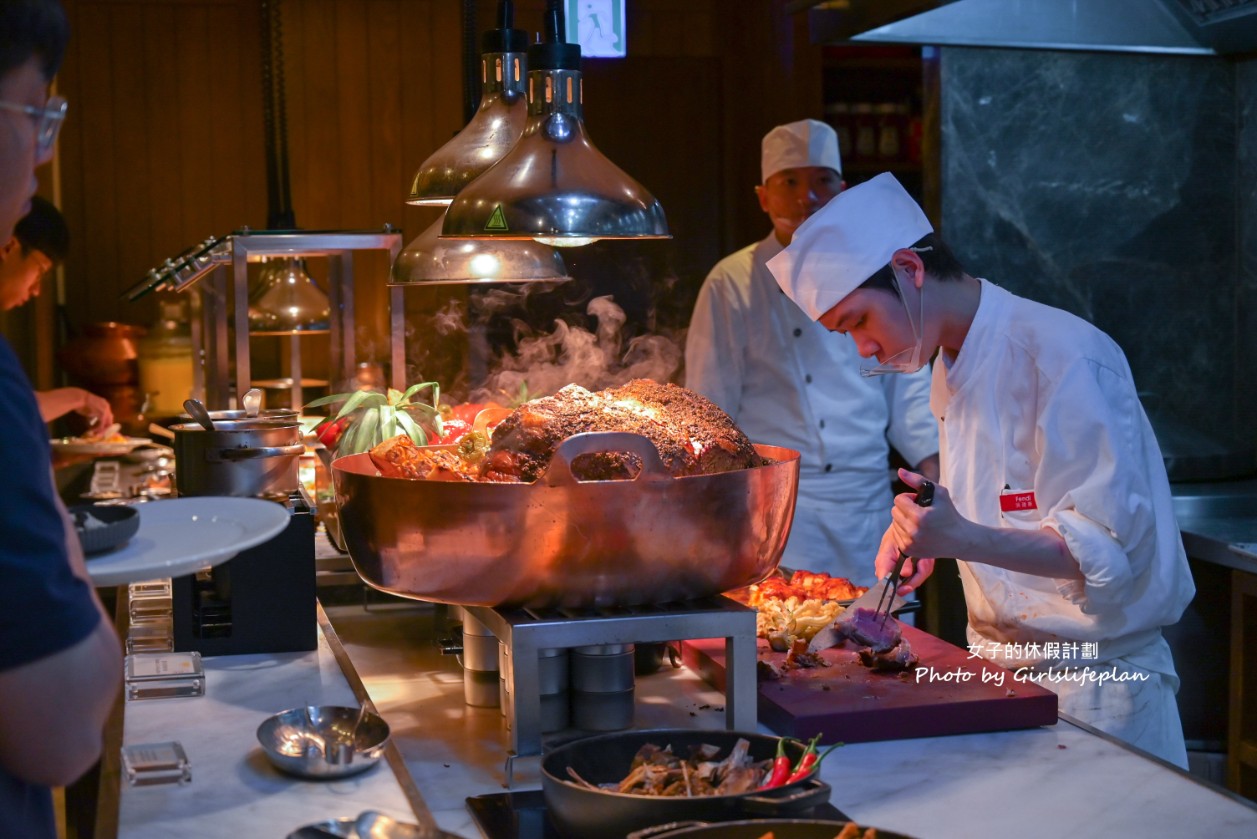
x=166, y=361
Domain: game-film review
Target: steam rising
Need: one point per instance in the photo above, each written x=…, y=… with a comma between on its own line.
x=595, y=360
x=488, y=346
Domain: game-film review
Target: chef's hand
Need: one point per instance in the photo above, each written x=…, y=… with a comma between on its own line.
x=914, y=572
x=940, y=530
x=921, y=533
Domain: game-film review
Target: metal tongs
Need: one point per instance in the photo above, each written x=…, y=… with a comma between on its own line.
x=924, y=498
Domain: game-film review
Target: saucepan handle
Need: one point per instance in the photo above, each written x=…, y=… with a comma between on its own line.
x=252, y=453
x=594, y=442
x=809, y=794
x=663, y=830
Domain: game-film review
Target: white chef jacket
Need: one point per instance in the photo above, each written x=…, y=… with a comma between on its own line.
x=1040, y=406
x=788, y=381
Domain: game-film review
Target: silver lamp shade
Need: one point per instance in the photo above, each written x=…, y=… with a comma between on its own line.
x=496, y=125
x=430, y=259
x=554, y=185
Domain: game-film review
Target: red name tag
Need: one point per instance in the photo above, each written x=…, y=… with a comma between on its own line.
x=1012, y=501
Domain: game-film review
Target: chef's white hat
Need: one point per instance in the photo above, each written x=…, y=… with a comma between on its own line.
x=846, y=242
x=808, y=142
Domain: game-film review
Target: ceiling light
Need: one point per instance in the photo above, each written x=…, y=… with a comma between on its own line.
x=554, y=185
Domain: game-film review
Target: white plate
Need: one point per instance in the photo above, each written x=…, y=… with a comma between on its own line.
x=78, y=445
x=183, y=535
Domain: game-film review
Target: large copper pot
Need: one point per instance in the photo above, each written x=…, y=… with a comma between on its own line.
x=564, y=542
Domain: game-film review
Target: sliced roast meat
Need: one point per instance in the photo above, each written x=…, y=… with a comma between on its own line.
x=870, y=628
x=901, y=657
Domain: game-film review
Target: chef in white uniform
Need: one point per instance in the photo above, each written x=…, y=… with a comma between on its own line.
x=1053, y=492
x=787, y=381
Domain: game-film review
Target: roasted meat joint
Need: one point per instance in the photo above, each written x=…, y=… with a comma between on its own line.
x=690, y=434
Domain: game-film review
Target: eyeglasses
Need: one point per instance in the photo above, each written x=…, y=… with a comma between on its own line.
x=47, y=119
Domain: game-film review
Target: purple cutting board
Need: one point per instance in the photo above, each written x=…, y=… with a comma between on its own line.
x=850, y=703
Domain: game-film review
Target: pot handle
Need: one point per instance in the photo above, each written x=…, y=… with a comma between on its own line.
x=252, y=453
x=811, y=793
x=662, y=830
x=594, y=442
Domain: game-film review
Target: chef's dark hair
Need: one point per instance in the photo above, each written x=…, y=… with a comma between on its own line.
x=938, y=259
x=32, y=28
x=43, y=229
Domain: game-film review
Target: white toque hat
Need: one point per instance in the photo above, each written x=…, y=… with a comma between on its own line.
x=808, y=142
x=846, y=242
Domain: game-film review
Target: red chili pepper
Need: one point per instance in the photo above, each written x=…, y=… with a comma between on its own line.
x=781, y=767
x=810, y=760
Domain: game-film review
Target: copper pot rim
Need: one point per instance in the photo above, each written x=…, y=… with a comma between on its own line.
x=360, y=464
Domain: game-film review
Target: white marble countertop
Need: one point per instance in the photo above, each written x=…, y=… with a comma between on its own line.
x=1048, y=782
x=235, y=792
x=1061, y=780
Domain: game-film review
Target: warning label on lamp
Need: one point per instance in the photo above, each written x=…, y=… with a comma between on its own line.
x=497, y=221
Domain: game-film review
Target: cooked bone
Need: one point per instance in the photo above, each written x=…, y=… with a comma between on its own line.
x=578, y=779
x=740, y=779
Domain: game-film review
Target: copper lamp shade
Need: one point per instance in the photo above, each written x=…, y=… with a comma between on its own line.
x=493, y=129
x=554, y=185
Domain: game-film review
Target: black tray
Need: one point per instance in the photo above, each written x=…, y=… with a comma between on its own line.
x=522, y=815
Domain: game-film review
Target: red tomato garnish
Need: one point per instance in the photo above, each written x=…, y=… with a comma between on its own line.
x=330, y=433
x=453, y=429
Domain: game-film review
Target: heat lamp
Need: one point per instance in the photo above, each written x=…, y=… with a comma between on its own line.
x=488, y=136
x=553, y=185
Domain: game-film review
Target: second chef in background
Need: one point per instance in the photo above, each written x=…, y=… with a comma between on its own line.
x=787, y=381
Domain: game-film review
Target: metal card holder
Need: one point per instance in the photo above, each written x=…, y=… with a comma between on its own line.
x=163, y=675
x=147, y=764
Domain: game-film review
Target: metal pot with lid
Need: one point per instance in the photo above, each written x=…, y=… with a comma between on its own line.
x=241, y=458
x=285, y=414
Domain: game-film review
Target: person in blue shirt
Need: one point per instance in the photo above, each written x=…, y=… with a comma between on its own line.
x=60, y=660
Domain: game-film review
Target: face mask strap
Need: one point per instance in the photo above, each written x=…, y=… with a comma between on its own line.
x=913, y=364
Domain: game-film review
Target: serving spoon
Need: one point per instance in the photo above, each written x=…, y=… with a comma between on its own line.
x=196, y=410
x=252, y=401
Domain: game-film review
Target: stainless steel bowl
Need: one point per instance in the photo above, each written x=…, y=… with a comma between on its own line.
x=323, y=741
x=368, y=825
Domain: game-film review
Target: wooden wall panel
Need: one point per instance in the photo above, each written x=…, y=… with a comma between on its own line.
x=164, y=145
x=773, y=76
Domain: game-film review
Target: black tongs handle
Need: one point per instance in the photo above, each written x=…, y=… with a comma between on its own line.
x=924, y=498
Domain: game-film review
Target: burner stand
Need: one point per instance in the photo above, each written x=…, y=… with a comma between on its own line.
x=524, y=632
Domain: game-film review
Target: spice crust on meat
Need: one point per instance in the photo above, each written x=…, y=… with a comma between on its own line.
x=692, y=435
